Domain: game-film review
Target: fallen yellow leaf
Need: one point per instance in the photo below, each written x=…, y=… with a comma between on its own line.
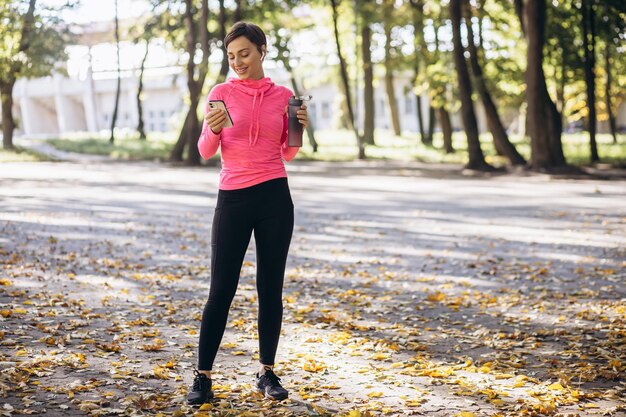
x=437, y=296
x=556, y=387
x=161, y=373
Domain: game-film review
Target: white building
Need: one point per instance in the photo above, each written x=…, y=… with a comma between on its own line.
x=56, y=105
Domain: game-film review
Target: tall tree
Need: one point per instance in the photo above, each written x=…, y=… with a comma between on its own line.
x=589, y=59
x=439, y=85
x=142, y=68
x=498, y=132
x=345, y=81
x=368, y=73
x=145, y=30
x=611, y=28
x=196, y=75
x=388, y=9
x=419, y=62
x=607, y=91
x=32, y=45
x=543, y=119
x=475, y=153
x=119, y=75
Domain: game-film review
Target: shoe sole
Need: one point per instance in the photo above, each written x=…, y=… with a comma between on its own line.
x=271, y=397
x=209, y=398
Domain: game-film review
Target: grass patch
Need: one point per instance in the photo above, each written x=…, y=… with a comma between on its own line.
x=156, y=146
x=21, y=155
x=340, y=145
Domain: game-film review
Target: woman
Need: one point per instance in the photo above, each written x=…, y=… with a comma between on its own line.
x=253, y=197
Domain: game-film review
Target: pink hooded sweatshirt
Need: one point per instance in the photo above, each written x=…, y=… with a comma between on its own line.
x=253, y=149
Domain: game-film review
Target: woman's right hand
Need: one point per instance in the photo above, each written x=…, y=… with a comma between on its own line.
x=216, y=119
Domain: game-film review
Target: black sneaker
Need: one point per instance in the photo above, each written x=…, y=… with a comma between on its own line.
x=269, y=384
x=200, y=390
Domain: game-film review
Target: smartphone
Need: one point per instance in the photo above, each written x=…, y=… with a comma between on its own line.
x=219, y=104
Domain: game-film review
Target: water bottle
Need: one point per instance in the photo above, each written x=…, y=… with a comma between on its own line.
x=295, y=128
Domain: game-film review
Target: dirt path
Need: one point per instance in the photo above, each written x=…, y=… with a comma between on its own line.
x=410, y=291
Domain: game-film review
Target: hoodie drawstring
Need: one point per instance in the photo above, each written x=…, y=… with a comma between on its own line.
x=252, y=121
x=256, y=116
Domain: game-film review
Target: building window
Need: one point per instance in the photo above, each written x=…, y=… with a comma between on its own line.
x=325, y=110
x=151, y=114
x=312, y=111
x=382, y=108
x=408, y=105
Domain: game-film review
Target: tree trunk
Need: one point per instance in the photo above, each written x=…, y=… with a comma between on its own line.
x=428, y=140
x=543, y=119
x=194, y=129
x=431, y=124
x=391, y=93
x=190, y=131
x=368, y=85
x=345, y=82
x=476, y=157
x=8, y=124
x=420, y=56
x=500, y=137
x=418, y=95
x=446, y=129
x=589, y=46
x=119, y=76
x=418, y=102
x=176, y=154
x=607, y=94
x=560, y=92
x=140, y=124
x=239, y=12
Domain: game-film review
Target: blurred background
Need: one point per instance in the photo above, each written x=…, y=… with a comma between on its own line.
x=471, y=81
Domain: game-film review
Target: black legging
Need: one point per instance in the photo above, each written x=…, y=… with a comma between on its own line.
x=267, y=210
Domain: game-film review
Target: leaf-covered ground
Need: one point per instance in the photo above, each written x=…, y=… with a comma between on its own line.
x=409, y=291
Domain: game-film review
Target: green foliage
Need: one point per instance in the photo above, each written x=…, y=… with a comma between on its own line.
x=338, y=145
x=564, y=54
x=48, y=38
x=504, y=52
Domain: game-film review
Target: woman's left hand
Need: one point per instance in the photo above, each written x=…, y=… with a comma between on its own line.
x=303, y=116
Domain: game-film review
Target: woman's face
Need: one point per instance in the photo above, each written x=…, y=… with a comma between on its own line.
x=245, y=59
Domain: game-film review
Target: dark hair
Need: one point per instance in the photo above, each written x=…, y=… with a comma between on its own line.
x=251, y=31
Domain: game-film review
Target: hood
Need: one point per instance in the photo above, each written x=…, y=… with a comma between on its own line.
x=251, y=87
